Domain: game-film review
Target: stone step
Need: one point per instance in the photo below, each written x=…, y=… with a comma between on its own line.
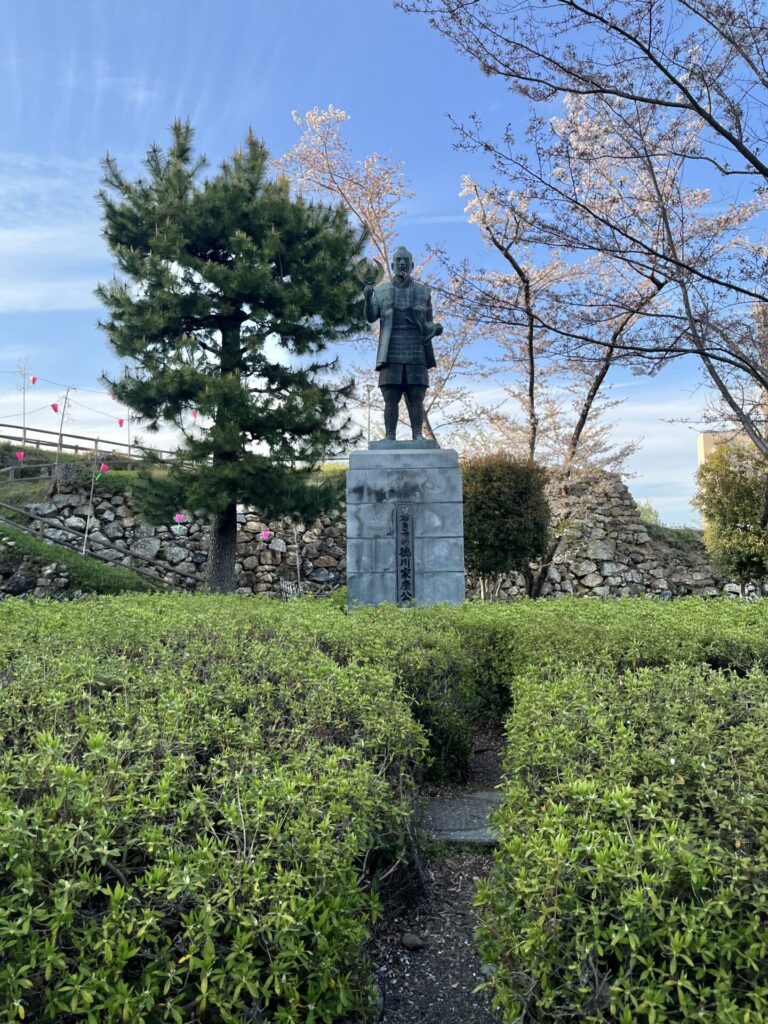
x=463, y=818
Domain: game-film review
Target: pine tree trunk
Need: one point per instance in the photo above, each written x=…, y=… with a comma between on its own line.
x=222, y=550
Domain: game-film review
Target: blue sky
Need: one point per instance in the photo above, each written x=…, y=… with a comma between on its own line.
x=82, y=78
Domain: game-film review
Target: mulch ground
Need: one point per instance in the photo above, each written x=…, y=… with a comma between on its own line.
x=436, y=983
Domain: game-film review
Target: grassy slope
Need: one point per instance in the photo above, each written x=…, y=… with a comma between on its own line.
x=85, y=573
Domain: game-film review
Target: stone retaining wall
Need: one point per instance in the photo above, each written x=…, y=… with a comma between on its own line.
x=606, y=550
x=31, y=577
x=315, y=556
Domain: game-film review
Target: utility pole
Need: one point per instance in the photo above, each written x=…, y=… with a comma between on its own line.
x=61, y=423
x=23, y=368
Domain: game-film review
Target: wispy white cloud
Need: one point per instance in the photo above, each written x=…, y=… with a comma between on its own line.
x=664, y=467
x=51, y=251
x=53, y=191
x=133, y=89
x=77, y=240
x=435, y=218
x=43, y=295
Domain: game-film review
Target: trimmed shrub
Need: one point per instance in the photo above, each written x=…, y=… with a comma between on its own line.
x=506, y=517
x=428, y=665
x=631, y=878
x=626, y=633
x=187, y=813
x=195, y=790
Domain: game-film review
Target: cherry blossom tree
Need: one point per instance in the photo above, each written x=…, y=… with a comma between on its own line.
x=374, y=189
x=558, y=391
x=654, y=162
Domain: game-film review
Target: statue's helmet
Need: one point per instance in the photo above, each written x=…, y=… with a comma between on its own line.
x=401, y=251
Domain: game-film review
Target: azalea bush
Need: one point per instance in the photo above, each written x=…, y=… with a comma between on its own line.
x=631, y=877
x=201, y=797
x=188, y=815
x=625, y=633
x=430, y=666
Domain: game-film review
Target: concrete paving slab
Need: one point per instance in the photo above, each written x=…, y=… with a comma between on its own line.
x=464, y=818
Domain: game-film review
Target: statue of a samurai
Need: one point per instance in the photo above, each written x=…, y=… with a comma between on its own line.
x=405, y=353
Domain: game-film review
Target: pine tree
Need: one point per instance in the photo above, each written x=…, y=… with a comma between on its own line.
x=214, y=273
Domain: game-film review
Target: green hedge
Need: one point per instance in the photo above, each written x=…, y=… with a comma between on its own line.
x=187, y=811
x=197, y=792
x=631, y=877
x=430, y=665
x=625, y=633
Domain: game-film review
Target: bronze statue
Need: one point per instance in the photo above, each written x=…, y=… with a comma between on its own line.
x=405, y=353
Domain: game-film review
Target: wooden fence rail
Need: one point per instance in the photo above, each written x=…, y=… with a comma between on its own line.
x=15, y=434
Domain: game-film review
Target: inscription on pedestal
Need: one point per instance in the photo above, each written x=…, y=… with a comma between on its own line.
x=405, y=537
x=404, y=560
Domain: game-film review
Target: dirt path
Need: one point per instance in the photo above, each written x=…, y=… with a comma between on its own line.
x=435, y=984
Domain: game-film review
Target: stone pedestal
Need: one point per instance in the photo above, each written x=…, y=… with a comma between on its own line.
x=405, y=530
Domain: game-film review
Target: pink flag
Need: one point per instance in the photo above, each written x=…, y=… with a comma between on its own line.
x=33, y=380
x=55, y=406
x=266, y=534
x=194, y=414
x=120, y=423
x=180, y=517
x=103, y=468
x=20, y=456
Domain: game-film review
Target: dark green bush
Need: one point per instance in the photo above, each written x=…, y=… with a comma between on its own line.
x=631, y=878
x=506, y=515
x=731, y=497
